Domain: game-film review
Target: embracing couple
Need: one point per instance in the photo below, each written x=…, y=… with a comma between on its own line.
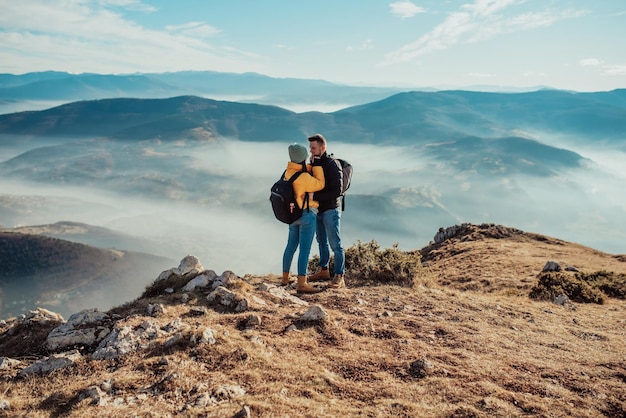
x=321, y=185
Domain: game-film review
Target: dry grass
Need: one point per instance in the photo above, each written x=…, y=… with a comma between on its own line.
x=492, y=351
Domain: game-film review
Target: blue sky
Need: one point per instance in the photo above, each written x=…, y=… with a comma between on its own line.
x=569, y=44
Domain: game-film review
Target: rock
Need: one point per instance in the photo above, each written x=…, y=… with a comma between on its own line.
x=189, y=264
x=6, y=362
x=54, y=362
x=229, y=299
x=84, y=328
x=561, y=299
x=208, y=336
x=95, y=394
x=155, y=309
x=42, y=315
x=252, y=321
x=314, y=313
x=421, y=368
x=243, y=413
x=551, y=266
x=282, y=294
x=202, y=280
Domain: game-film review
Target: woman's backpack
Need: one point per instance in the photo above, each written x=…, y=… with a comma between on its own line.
x=283, y=199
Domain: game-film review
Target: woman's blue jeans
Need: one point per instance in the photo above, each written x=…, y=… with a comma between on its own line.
x=300, y=234
x=328, y=233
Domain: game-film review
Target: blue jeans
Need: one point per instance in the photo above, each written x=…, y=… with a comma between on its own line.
x=300, y=234
x=328, y=233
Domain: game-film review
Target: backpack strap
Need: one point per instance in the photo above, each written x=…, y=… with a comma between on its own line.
x=293, y=178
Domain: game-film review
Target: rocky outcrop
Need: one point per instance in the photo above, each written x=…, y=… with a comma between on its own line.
x=82, y=329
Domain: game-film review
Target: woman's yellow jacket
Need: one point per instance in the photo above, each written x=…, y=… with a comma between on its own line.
x=311, y=181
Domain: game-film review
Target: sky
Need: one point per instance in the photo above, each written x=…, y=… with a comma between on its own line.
x=568, y=44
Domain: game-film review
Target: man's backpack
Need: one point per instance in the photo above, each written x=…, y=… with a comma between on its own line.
x=346, y=173
x=283, y=199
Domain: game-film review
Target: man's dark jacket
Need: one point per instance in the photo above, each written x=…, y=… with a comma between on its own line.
x=328, y=197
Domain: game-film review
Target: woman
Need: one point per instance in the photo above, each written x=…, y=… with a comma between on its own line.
x=301, y=232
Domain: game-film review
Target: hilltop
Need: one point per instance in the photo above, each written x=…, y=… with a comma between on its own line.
x=63, y=275
x=446, y=331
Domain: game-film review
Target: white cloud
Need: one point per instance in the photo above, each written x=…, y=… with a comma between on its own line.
x=405, y=9
x=614, y=70
x=591, y=62
x=194, y=29
x=86, y=36
x=135, y=5
x=605, y=69
x=476, y=22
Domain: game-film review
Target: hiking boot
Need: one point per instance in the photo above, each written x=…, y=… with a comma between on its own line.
x=305, y=287
x=320, y=275
x=337, y=282
x=287, y=279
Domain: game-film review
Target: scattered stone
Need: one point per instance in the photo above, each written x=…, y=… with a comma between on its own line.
x=155, y=309
x=252, y=321
x=208, y=336
x=228, y=299
x=571, y=268
x=561, y=299
x=54, y=362
x=202, y=280
x=551, y=266
x=197, y=311
x=227, y=392
x=189, y=264
x=4, y=405
x=315, y=313
x=243, y=413
x=84, y=328
x=421, y=368
x=282, y=294
x=6, y=362
x=95, y=394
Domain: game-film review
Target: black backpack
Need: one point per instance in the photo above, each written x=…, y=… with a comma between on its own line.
x=346, y=172
x=283, y=199
x=346, y=177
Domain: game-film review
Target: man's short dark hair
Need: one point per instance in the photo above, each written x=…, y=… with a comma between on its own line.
x=318, y=138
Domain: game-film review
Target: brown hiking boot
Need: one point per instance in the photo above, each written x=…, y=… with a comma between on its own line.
x=337, y=282
x=305, y=287
x=320, y=275
x=287, y=279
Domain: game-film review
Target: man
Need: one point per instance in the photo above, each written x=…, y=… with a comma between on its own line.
x=329, y=215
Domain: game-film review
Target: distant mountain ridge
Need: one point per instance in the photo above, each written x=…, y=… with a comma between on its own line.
x=413, y=117
x=64, y=275
x=254, y=87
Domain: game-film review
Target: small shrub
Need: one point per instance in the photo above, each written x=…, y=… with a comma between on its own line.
x=367, y=262
x=611, y=284
x=552, y=284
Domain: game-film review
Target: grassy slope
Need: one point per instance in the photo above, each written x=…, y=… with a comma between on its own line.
x=494, y=351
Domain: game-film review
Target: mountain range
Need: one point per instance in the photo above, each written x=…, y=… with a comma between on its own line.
x=184, y=174
x=53, y=86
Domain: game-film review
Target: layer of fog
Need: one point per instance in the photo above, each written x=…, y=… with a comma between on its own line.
x=583, y=205
x=238, y=231
x=12, y=106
